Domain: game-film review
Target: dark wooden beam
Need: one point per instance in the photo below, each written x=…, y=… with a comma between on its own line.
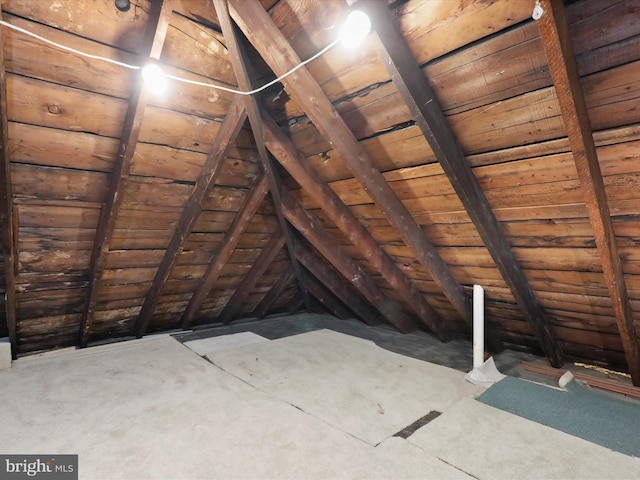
x=245, y=75
x=316, y=305
x=274, y=292
x=153, y=40
x=233, y=122
x=294, y=304
x=334, y=284
x=7, y=233
x=294, y=162
x=326, y=298
x=229, y=242
x=269, y=252
x=260, y=29
x=342, y=261
x=562, y=64
x=425, y=108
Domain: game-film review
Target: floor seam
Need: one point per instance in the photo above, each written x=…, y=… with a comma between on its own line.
x=297, y=407
x=456, y=467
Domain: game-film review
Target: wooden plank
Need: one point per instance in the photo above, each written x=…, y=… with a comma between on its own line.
x=51, y=332
x=232, y=237
x=455, y=80
x=154, y=36
x=186, y=40
x=407, y=147
x=34, y=145
x=44, y=303
x=152, y=258
x=528, y=119
x=285, y=280
x=166, y=162
x=336, y=285
x=156, y=193
x=58, y=183
x=42, y=239
x=245, y=77
x=50, y=105
x=33, y=58
x=389, y=151
x=295, y=304
x=611, y=95
x=88, y=20
x=7, y=234
x=607, y=384
x=286, y=153
x=426, y=110
x=562, y=63
x=149, y=219
x=232, y=124
x=344, y=263
x=285, y=301
x=235, y=303
x=523, y=119
x=536, y=116
x=424, y=106
x=196, y=49
x=259, y=28
x=540, y=258
x=62, y=260
x=326, y=298
x=37, y=102
x=427, y=27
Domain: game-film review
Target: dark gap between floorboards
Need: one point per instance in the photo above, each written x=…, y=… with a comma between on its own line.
x=406, y=432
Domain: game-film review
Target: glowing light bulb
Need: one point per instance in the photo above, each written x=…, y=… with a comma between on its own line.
x=154, y=78
x=355, y=28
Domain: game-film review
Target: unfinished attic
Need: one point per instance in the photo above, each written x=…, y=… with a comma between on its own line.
x=272, y=168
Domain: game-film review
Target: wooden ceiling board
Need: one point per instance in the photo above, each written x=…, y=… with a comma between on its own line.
x=487, y=65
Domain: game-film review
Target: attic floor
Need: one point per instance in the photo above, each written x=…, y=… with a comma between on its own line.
x=322, y=403
x=456, y=354
x=420, y=345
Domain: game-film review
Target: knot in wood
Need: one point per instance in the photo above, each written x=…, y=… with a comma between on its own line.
x=54, y=109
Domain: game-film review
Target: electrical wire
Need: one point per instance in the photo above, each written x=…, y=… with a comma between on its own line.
x=172, y=77
x=263, y=87
x=64, y=47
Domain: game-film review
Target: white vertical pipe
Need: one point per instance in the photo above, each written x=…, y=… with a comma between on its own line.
x=478, y=326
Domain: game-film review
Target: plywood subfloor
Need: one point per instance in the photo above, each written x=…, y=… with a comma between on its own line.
x=347, y=382
x=205, y=346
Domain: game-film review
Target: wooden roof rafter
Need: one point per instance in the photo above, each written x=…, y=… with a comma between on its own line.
x=262, y=32
x=326, y=298
x=425, y=107
x=229, y=242
x=248, y=283
x=244, y=75
x=334, y=284
x=231, y=126
x=293, y=161
x=317, y=236
x=558, y=47
x=295, y=303
x=7, y=234
x=278, y=288
x=152, y=43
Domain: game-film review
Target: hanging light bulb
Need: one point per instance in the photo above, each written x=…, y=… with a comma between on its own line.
x=154, y=78
x=355, y=28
